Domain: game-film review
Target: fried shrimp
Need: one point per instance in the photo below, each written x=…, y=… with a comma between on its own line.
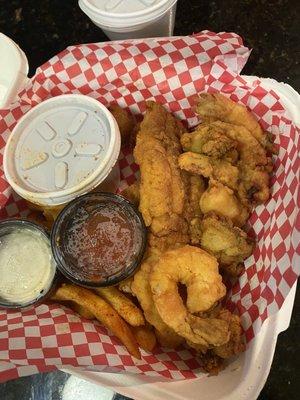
x=198, y=271
x=141, y=288
x=216, y=107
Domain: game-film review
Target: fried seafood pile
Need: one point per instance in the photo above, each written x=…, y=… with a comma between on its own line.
x=196, y=193
x=230, y=151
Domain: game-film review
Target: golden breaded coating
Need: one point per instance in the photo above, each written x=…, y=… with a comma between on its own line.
x=236, y=344
x=219, y=170
x=125, y=122
x=229, y=244
x=210, y=142
x=132, y=193
x=221, y=200
x=216, y=107
x=162, y=189
x=198, y=271
x=141, y=288
x=243, y=167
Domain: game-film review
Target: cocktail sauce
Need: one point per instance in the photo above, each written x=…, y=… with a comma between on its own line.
x=99, y=239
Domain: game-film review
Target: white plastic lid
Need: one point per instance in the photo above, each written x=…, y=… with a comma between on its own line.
x=13, y=70
x=124, y=13
x=62, y=148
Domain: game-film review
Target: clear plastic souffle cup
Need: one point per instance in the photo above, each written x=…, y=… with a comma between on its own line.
x=62, y=148
x=134, y=19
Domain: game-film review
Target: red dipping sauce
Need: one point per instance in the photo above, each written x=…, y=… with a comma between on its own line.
x=98, y=239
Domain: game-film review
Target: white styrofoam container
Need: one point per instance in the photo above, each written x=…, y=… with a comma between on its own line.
x=243, y=379
x=246, y=375
x=13, y=70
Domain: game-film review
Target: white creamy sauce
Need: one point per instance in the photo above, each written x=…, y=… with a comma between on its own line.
x=26, y=265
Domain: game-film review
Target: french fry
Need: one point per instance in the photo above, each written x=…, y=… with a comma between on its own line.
x=82, y=311
x=102, y=311
x=123, y=305
x=145, y=337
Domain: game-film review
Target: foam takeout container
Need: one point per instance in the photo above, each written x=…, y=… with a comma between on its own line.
x=246, y=375
x=164, y=375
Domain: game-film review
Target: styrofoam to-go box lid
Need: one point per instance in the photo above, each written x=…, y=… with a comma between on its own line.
x=13, y=70
x=62, y=148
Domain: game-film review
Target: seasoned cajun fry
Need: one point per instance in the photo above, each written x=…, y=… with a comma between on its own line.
x=103, y=312
x=145, y=337
x=123, y=305
x=82, y=311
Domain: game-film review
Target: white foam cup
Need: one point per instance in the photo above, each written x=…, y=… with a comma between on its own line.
x=62, y=148
x=134, y=19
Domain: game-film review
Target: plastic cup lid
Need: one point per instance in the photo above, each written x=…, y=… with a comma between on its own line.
x=124, y=6
x=123, y=12
x=61, y=148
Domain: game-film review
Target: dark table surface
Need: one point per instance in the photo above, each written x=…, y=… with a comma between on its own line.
x=42, y=28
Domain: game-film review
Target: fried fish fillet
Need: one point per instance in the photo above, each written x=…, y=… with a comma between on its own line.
x=162, y=188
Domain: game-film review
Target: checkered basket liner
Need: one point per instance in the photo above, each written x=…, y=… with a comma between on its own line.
x=170, y=71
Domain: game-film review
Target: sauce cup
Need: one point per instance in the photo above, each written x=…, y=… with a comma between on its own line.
x=27, y=266
x=98, y=239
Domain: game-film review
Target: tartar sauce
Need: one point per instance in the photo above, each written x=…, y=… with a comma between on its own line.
x=27, y=268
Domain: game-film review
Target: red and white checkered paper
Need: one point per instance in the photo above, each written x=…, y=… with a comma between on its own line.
x=170, y=71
